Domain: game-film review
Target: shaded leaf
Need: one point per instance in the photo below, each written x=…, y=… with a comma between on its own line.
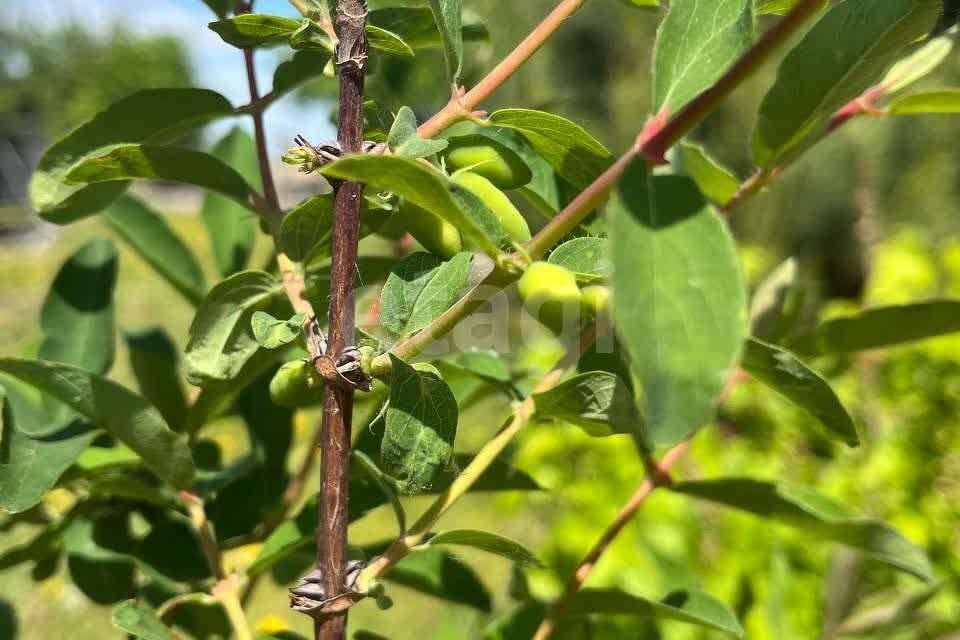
x=686, y=605
x=883, y=619
x=155, y=362
x=679, y=300
x=815, y=514
x=254, y=29
x=486, y=364
x=770, y=317
x=29, y=466
x=231, y=227
x=108, y=405
x=306, y=226
x=221, y=338
x=844, y=53
x=715, y=181
x=588, y=258
x=786, y=374
x=436, y=573
x=695, y=46
x=419, y=289
x=880, y=327
x=140, y=621
x=303, y=66
x=387, y=484
x=427, y=188
x=404, y=141
x=131, y=161
x=151, y=238
x=489, y=542
x=421, y=424
x=567, y=147
x=416, y=26
x=599, y=402
x=150, y=115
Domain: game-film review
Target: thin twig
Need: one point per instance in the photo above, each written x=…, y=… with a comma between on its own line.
x=461, y=106
x=627, y=512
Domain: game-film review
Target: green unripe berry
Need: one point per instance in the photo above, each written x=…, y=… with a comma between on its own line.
x=551, y=294
x=296, y=384
x=499, y=204
x=596, y=300
x=488, y=158
x=437, y=236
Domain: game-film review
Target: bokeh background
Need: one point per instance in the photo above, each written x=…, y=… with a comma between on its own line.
x=872, y=215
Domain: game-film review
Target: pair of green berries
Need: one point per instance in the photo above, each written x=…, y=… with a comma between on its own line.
x=551, y=294
x=485, y=168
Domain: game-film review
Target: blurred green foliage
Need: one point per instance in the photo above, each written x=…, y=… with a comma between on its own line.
x=52, y=80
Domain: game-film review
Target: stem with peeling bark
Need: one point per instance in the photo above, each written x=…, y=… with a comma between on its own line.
x=350, y=22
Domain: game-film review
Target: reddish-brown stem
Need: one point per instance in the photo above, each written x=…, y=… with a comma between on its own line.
x=461, y=106
x=266, y=175
x=350, y=20
x=654, y=142
x=705, y=103
x=652, y=481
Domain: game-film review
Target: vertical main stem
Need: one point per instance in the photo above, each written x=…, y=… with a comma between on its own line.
x=350, y=21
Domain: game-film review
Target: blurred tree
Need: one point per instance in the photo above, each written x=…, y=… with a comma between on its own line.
x=51, y=81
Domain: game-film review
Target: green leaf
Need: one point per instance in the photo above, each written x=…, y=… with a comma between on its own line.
x=685, y=605
x=386, y=484
x=679, y=301
x=500, y=476
x=221, y=338
x=29, y=467
x=307, y=226
x=427, y=188
x=155, y=362
x=127, y=162
x=271, y=333
x=108, y=405
x=77, y=318
x=404, y=141
x=844, y=54
x=716, y=182
x=567, y=147
x=436, y=573
x=151, y=115
x=449, y=17
x=489, y=542
x=815, y=514
x=881, y=620
x=932, y=102
x=139, y=621
x=786, y=374
x=770, y=307
x=695, y=46
x=598, y=402
x=230, y=225
x=588, y=258
x=421, y=424
x=416, y=26
x=303, y=66
x=254, y=29
x=388, y=42
x=485, y=364
x=419, y=289
x=880, y=327
x=132, y=488
x=151, y=238
x=918, y=64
